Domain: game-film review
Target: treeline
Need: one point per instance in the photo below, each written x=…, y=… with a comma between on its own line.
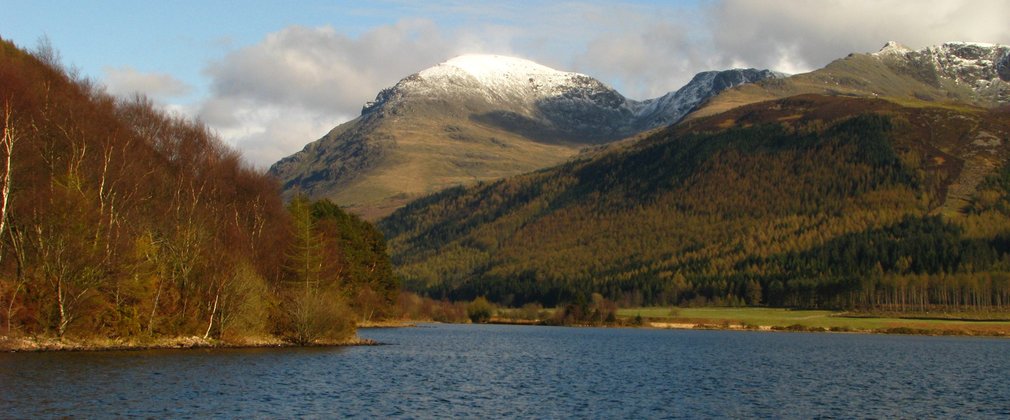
x=596, y=311
x=918, y=264
x=338, y=255
x=808, y=202
x=118, y=220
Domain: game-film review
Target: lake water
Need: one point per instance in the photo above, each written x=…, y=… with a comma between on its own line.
x=515, y=371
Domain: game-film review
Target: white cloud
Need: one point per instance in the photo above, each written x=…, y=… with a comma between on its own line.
x=645, y=54
x=272, y=98
x=650, y=50
x=261, y=126
x=807, y=34
x=127, y=81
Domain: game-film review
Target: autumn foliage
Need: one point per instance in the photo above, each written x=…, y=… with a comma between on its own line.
x=121, y=220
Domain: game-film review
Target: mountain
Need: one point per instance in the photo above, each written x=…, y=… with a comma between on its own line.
x=473, y=118
x=674, y=106
x=956, y=72
x=811, y=200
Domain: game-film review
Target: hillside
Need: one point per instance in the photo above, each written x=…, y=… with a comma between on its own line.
x=475, y=118
x=806, y=201
x=954, y=72
x=119, y=222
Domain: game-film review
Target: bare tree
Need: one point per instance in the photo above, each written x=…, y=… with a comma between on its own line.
x=10, y=137
x=18, y=246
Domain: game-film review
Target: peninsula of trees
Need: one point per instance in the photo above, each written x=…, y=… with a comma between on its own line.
x=119, y=220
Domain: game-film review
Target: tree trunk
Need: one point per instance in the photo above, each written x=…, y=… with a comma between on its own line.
x=213, y=311
x=9, y=138
x=10, y=307
x=63, y=313
x=154, y=308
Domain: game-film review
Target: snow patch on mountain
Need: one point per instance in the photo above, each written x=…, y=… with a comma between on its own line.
x=892, y=48
x=982, y=66
x=674, y=106
x=498, y=72
x=500, y=79
x=513, y=82
x=967, y=62
x=561, y=98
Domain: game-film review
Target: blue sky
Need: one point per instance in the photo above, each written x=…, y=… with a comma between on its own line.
x=271, y=76
x=174, y=37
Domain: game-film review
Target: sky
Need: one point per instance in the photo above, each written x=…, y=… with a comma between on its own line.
x=272, y=76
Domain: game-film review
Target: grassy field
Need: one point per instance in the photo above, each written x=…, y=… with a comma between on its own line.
x=809, y=319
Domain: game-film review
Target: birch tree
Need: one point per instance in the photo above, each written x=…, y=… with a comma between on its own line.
x=10, y=138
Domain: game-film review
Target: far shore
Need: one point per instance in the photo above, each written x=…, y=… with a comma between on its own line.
x=790, y=320
x=782, y=319
x=800, y=328
x=772, y=328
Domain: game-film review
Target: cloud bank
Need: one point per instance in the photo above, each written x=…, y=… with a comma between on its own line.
x=807, y=34
x=271, y=98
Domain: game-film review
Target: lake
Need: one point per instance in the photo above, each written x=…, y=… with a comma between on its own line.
x=521, y=371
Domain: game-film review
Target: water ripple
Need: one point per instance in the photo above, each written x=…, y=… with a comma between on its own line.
x=465, y=371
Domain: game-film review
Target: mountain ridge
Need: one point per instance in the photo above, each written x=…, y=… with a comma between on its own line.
x=476, y=117
x=953, y=72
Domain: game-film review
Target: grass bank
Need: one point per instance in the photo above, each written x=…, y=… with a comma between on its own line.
x=814, y=320
x=35, y=344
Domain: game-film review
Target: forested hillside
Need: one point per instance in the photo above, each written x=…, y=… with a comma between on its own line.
x=119, y=220
x=810, y=201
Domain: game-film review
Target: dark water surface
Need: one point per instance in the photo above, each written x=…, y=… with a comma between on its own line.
x=514, y=371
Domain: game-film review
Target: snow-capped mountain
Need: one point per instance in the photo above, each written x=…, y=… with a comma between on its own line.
x=499, y=80
x=477, y=117
x=674, y=106
x=517, y=95
x=984, y=68
x=552, y=105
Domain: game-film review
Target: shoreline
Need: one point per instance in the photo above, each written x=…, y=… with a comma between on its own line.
x=673, y=325
x=394, y=323
x=37, y=344
x=48, y=344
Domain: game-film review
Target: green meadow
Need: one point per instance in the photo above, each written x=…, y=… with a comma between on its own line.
x=780, y=318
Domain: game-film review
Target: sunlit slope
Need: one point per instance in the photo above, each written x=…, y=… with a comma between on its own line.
x=714, y=198
x=431, y=154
